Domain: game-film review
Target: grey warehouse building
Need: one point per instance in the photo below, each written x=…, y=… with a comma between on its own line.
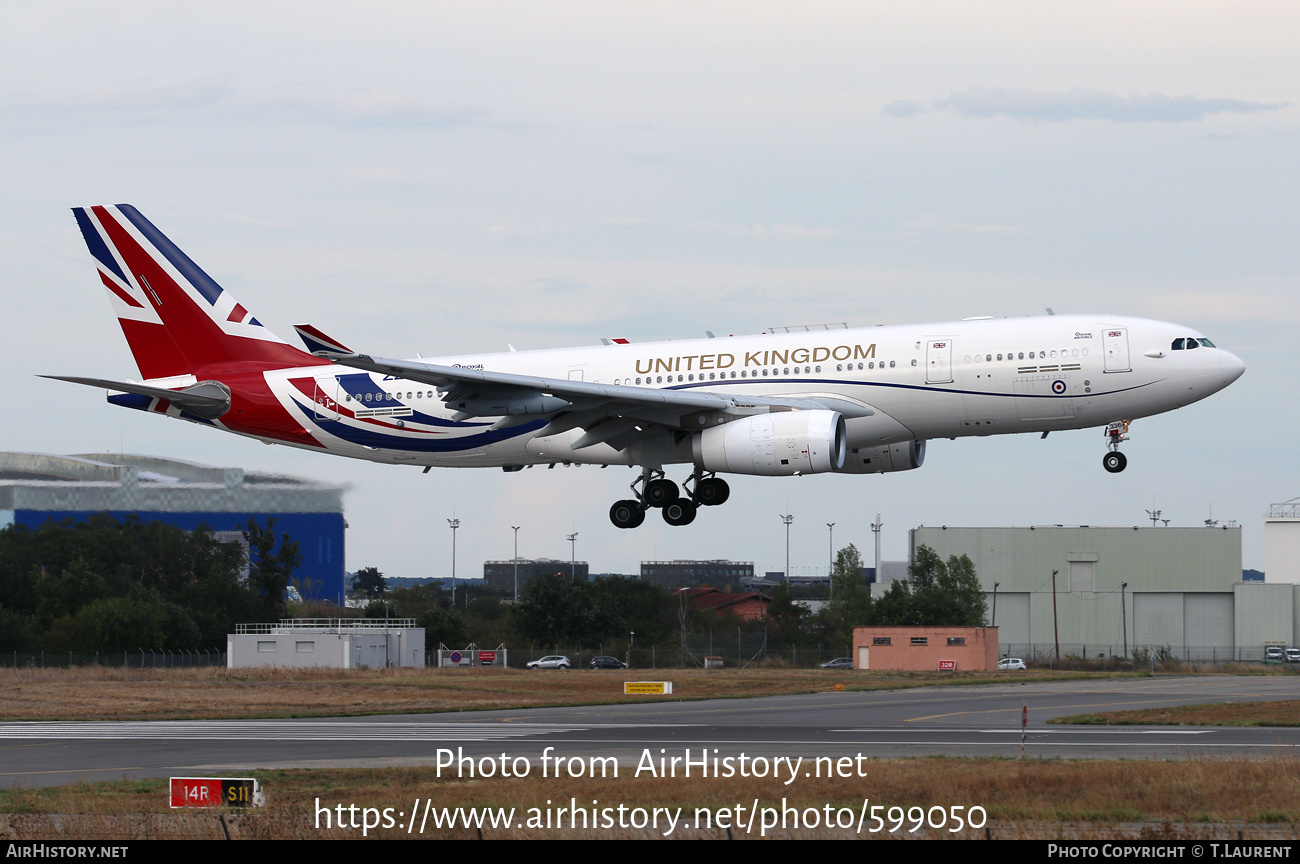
x=1184, y=589
x=36, y=488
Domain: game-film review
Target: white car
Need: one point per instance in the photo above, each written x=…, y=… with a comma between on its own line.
x=551, y=661
x=1011, y=663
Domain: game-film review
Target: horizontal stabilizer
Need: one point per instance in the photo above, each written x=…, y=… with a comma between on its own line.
x=206, y=399
x=315, y=340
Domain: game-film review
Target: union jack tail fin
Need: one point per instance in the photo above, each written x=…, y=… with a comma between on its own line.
x=176, y=318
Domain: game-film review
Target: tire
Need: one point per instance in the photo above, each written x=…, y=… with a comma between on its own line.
x=1114, y=462
x=712, y=491
x=680, y=512
x=626, y=514
x=660, y=493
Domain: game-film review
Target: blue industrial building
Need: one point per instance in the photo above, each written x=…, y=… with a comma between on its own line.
x=36, y=488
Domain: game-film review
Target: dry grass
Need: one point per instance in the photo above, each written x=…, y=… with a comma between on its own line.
x=100, y=693
x=1282, y=713
x=1044, y=799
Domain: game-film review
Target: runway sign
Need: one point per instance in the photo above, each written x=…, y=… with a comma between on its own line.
x=663, y=688
x=216, y=792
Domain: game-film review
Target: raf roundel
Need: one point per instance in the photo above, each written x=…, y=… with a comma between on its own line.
x=1058, y=387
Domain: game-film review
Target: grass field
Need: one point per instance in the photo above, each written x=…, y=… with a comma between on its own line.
x=1029, y=798
x=1282, y=713
x=99, y=693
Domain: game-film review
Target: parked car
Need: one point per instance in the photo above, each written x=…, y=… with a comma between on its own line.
x=1273, y=653
x=838, y=663
x=1293, y=655
x=1010, y=663
x=607, y=663
x=550, y=661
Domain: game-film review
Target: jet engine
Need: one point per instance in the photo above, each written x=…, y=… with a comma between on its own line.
x=774, y=445
x=903, y=456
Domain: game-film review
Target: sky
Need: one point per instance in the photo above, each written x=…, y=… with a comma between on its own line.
x=439, y=178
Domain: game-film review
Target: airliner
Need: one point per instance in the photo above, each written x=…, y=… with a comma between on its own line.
x=787, y=402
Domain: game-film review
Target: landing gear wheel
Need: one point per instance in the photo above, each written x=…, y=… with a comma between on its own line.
x=660, y=493
x=679, y=512
x=1114, y=462
x=712, y=491
x=626, y=514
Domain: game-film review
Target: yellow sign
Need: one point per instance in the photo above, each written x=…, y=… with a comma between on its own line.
x=664, y=688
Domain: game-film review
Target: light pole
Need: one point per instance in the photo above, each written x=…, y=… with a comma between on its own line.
x=787, y=519
x=1123, y=616
x=875, y=529
x=573, y=554
x=516, y=530
x=994, y=623
x=454, y=523
x=830, y=559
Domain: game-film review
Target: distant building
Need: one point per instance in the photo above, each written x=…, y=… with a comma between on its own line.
x=688, y=573
x=746, y=606
x=500, y=575
x=36, y=488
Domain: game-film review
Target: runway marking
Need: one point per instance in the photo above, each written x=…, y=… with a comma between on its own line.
x=280, y=730
x=1017, y=709
x=69, y=771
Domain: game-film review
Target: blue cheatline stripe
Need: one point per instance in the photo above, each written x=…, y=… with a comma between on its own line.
x=205, y=284
x=95, y=243
x=440, y=444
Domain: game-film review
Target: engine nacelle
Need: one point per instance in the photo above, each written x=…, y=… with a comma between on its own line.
x=903, y=456
x=774, y=445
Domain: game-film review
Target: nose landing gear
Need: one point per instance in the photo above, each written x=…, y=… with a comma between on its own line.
x=1115, y=461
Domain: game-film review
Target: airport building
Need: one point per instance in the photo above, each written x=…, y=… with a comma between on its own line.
x=694, y=574
x=36, y=488
x=500, y=575
x=1098, y=590
x=336, y=643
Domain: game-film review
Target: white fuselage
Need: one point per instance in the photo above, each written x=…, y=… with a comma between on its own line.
x=912, y=382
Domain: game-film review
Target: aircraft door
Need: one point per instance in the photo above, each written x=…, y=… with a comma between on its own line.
x=1114, y=341
x=938, y=361
x=327, y=393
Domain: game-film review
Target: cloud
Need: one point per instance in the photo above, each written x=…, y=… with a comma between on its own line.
x=763, y=232
x=1059, y=107
x=375, y=108
x=943, y=222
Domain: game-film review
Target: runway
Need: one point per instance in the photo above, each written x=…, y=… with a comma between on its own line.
x=951, y=721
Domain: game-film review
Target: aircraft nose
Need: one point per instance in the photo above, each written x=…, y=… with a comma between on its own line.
x=1232, y=367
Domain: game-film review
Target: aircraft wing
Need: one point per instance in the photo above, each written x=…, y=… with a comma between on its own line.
x=615, y=414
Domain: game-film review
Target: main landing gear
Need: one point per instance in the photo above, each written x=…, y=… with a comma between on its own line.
x=1115, y=461
x=656, y=490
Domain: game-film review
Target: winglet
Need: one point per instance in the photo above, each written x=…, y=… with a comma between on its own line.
x=317, y=342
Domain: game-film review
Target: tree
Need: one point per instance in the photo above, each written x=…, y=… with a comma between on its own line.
x=946, y=594
x=850, y=603
x=558, y=609
x=270, y=568
x=369, y=582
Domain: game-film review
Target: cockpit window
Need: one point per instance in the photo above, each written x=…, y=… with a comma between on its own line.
x=1192, y=343
x=1178, y=345
x=1205, y=342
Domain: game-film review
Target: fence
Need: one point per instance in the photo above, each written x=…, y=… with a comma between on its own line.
x=140, y=659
